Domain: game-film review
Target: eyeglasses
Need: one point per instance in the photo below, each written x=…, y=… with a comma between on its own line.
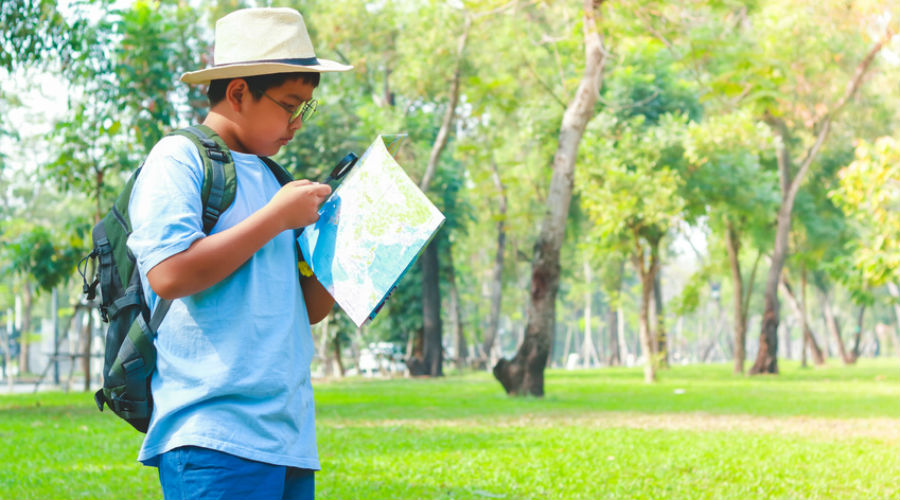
x=303, y=111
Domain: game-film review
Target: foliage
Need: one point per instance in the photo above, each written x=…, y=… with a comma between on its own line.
x=647, y=82
x=726, y=177
x=868, y=192
x=629, y=184
x=49, y=256
x=35, y=32
x=129, y=100
x=679, y=143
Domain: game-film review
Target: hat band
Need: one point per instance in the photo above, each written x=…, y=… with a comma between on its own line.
x=300, y=61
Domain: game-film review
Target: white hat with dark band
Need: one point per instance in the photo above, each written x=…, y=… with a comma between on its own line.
x=264, y=41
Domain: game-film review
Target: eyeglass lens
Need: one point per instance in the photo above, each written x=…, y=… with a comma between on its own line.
x=304, y=111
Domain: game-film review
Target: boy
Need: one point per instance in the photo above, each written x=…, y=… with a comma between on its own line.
x=233, y=406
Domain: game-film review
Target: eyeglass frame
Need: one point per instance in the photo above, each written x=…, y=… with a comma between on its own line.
x=303, y=111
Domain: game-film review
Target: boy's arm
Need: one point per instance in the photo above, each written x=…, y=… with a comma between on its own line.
x=211, y=259
x=318, y=301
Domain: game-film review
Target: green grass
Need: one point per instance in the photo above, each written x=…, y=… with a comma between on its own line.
x=700, y=432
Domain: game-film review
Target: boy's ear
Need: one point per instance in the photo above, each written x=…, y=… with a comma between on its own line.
x=236, y=91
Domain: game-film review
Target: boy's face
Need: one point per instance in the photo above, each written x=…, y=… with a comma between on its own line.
x=267, y=124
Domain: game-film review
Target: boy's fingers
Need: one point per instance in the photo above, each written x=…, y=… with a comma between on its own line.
x=320, y=190
x=313, y=187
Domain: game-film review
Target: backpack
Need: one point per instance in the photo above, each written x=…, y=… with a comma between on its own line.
x=130, y=356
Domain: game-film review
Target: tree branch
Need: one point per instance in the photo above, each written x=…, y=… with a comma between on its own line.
x=783, y=156
x=851, y=90
x=447, y=123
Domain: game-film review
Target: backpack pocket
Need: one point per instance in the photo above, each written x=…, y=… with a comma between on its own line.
x=128, y=369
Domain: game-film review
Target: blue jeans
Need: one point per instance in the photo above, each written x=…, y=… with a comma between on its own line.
x=199, y=473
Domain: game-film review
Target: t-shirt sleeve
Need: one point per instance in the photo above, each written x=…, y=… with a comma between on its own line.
x=166, y=205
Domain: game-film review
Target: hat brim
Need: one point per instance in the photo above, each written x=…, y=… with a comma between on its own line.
x=254, y=69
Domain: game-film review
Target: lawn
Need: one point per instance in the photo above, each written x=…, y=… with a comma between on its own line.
x=700, y=432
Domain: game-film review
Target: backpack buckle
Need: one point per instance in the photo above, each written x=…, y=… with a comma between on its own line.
x=210, y=212
x=217, y=154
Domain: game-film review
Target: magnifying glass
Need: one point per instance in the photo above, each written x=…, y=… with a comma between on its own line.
x=334, y=178
x=340, y=170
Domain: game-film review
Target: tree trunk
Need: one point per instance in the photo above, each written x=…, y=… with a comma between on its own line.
x=800, y=312
x=678, y=342
x=431, y=295
x=612, y=289
x=786, y=331
x=357, y=342
x=883, y=336
x=336, y=350
x=431, y=311
x=462, y=348
x=524, y=374
x=87, y=335
x=804, y=344
x=733, y=244
x=7, y=355
x=612, y=324
x=859, y=329
x=490, y=335
x=767, y=356
x=324, y=346
x=647, y=274
x=894, y=290
x=567, y=346
x=589, y=355
x=54, y=311
x=660, y=335
x=835, y=329
x=25, y=331
x=620, y=333
x=450, y=113
x=415, y=353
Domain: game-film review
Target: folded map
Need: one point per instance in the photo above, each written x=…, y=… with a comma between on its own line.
x=370, y=231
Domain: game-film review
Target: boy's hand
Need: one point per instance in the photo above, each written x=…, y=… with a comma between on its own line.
x=297, y=203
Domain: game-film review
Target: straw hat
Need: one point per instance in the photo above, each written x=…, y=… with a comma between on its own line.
x=260, y=42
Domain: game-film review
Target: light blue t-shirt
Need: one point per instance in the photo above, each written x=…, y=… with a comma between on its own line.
x=232, y=361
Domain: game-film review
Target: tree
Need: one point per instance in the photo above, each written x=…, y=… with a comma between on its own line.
x=524, y=374
x=36, y=255
x=821, y=235
x=767, y=360
x=630, y=190
x=790, y=181
x=496, y=293
x=726, y=181
x=785, y=63
x=867, y=193
x=512, y=100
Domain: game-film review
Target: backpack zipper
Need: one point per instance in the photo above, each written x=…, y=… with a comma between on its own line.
x=119, y=217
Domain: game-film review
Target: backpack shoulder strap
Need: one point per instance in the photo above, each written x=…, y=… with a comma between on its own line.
x=219, y=179
x=277, y=170
x=283, y=177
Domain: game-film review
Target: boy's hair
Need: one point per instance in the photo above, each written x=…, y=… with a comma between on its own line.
x=258, y=84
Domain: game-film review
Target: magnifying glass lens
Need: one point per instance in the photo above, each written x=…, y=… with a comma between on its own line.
x=344, y=166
